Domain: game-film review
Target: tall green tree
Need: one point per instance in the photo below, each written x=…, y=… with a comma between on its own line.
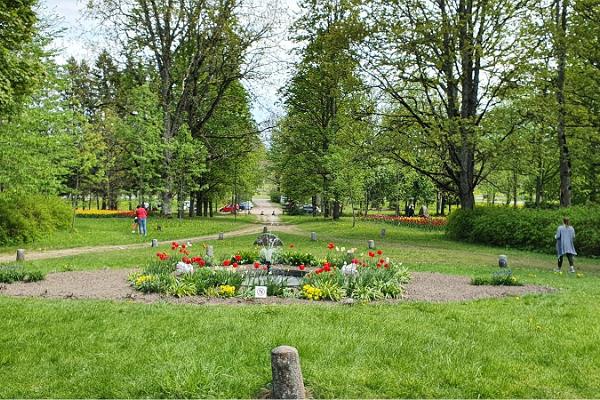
x=443, y=65
x=21, y=52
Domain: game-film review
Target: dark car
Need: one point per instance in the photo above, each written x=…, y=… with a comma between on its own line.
x=308, y=209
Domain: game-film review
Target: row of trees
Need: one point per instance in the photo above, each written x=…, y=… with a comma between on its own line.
x=499, y=95
x=168, y=116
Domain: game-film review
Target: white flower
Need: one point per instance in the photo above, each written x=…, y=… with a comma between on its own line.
x=349, y=269
x=343, y=249
x=183, y=268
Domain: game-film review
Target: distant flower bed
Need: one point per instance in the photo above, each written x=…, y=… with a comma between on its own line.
x=341, y=274
x=104, y=213
x=428, y=222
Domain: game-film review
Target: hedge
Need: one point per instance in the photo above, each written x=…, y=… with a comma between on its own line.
x=529, y=229
x=26, y=217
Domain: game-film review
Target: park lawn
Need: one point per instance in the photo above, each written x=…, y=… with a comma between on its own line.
x=541, y=346
x=108, y=231
x=529, y=347
x=418, y=249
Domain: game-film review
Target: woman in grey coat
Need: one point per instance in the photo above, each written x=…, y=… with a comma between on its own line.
x=565, y=234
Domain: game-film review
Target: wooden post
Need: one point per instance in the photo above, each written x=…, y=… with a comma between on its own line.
x=221, y=235
x=371, y=244
x=21, y=255
x=287, y=375
x=313, y=236
x=154, y=242
x=210, y=251
x=382, y=233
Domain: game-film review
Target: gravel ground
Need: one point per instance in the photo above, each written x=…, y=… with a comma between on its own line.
x=111, y=284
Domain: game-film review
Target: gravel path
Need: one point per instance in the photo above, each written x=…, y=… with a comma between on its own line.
x=111, y=284
x=41, y=255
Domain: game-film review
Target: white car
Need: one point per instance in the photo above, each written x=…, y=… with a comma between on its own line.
x=246, y=205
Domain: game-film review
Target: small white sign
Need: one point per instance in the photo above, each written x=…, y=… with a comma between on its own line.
x=260, y=292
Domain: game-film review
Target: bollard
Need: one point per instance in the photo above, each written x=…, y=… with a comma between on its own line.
x=287, y=375
x=371, y=244
x=221, y=235
x=21, y=255
x=154, y=242
x=265, y=229
x=382, y=233
x=209, y=251
x=503, y=261
x=313, y=236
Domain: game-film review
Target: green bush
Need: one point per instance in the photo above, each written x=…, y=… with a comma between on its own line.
x=295, y=258
x=498, y=278
x=526, y=228
x=25, y=217
x=10, y=274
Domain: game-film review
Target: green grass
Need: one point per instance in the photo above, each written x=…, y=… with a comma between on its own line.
x=541, y=346
x=534, y=346
x=105, y=231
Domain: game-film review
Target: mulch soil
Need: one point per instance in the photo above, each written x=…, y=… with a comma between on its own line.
x=111, y=284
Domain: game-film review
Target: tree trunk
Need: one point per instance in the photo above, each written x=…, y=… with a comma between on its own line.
x=336, y=209
x=466, y=196
x=205, y=206
x=443, y=205
x=192, y=210
x=515, y=183
x=561, y=55
x=210, y=208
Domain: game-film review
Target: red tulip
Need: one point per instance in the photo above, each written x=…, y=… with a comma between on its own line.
x=301, y=267
x=379, y=252
x=238, y=257
x=256, y=264
x=371, y=254
x=235, y=265
x=331, y=245
x=226, y=262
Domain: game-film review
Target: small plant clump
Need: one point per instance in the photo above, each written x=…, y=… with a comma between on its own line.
x=340, y=275
x=16, y=273
x=503, y=277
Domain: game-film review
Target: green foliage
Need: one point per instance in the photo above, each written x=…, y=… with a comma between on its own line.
x=526, y=228
x=295, y=258
x=366, y=283
x=503, y=277
x=25, y=217
x=246, y=256
x=20, y=53
x=15, y=273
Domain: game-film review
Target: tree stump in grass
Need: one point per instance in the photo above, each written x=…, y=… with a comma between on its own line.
x=287, y=375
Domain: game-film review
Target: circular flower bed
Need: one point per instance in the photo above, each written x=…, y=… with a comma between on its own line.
x=292, y=274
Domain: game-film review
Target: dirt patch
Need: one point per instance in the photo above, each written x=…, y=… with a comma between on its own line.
x=111, y=284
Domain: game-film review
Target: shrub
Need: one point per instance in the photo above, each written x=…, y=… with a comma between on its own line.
x=295, y=258
x=26, y=217
x=498, y=278
x=526, y=228
x=16, y=273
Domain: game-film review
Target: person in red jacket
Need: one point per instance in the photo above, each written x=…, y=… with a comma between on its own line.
x=141, y=214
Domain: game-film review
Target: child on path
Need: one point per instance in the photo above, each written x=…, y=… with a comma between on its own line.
x=134, y=225
x=565, y=234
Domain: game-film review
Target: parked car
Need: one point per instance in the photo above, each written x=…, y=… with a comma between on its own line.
x=308, y=209
x=246, y=205
x=229, y=208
